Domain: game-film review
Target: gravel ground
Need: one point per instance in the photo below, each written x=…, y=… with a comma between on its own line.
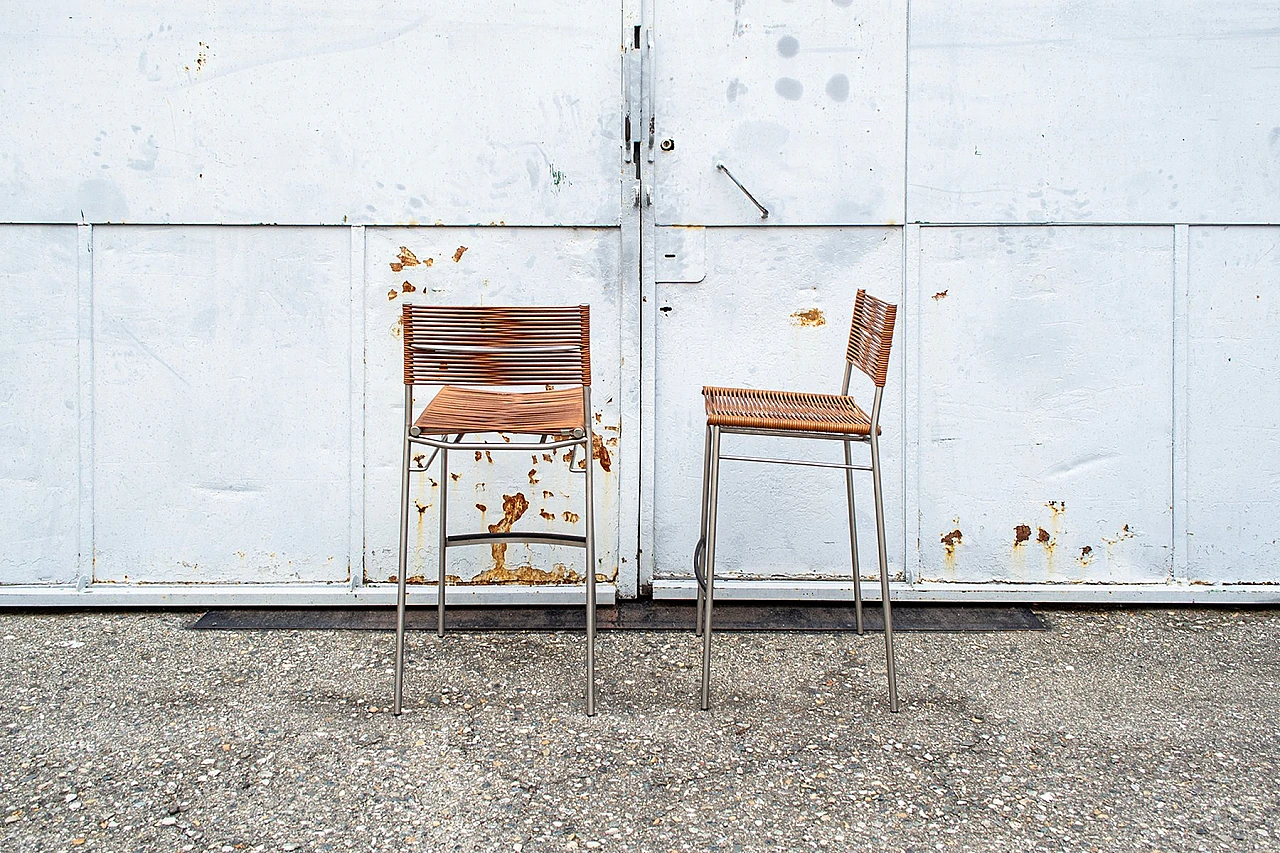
x=1115, y=730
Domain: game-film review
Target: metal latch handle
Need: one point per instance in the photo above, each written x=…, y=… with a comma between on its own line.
x=764, y=214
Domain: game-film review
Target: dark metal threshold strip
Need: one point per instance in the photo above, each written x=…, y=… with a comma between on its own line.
x=643, y=615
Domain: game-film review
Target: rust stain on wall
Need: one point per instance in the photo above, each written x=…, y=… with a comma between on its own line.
x=939, y=296
x=526, y=575
x=533, y=481
x=546, y=494
x=392, y=294
x=548, y=457
x=601, y=453
x=549, y=516
x=1086, y=555
x=571, y=517
x=949, y=543
x=406, y=258
x=1021, y=534
x=513, y=506
x=1042, y=536
x=407, y=287
x=811, y=317
x=482, y=507
x=457, y=256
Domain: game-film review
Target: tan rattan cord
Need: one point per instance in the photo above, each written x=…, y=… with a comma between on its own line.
x=785, y=410
x=475, y=345
x=469, y=410
x=871, y=336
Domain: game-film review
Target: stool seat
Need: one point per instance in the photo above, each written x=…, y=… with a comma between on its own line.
x=753, y=408
x=469, y=410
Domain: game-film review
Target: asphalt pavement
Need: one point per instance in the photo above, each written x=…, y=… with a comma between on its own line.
x=1142, y=729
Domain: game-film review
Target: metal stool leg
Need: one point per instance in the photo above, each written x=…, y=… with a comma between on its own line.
x=709, y=568
x=590, y=515
x=884, y=570
x=702, y=531
x=401, y=591
x=853, y=539
x=444, y=532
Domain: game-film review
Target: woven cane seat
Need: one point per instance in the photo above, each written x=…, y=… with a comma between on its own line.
x=785, y=410
x=467, y=410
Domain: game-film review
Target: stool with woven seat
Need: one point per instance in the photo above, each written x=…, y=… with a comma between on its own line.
x=458, y=347
x=834, y=417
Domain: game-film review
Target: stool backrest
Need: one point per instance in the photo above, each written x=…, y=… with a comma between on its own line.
x=871, y=336
x=475, y=345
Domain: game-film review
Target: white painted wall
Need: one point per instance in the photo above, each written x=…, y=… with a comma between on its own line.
x=200, y=206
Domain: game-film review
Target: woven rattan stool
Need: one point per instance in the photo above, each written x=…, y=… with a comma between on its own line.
x=512, y=347
x=835, y=417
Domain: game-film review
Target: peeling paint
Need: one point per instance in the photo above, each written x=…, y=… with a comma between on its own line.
x=513, y=506
x=559, y=574
x=406, y=258
x=810, y=317
x=601, y=453
x=949, y=543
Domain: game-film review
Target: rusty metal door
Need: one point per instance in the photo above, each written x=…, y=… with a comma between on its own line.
x=216, y=228
x=1076, y=207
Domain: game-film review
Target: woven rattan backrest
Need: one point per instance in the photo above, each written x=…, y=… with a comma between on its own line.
x=871, y=336
x=474, y=345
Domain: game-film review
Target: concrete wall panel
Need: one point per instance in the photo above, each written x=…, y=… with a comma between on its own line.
x=1045, y=404
x=306, y=113
x=772, y=312
x=492, y=266
x=1233, y=418
x=221, y=391
x=794, y=98
x=1094, y=111
x=39, y=405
